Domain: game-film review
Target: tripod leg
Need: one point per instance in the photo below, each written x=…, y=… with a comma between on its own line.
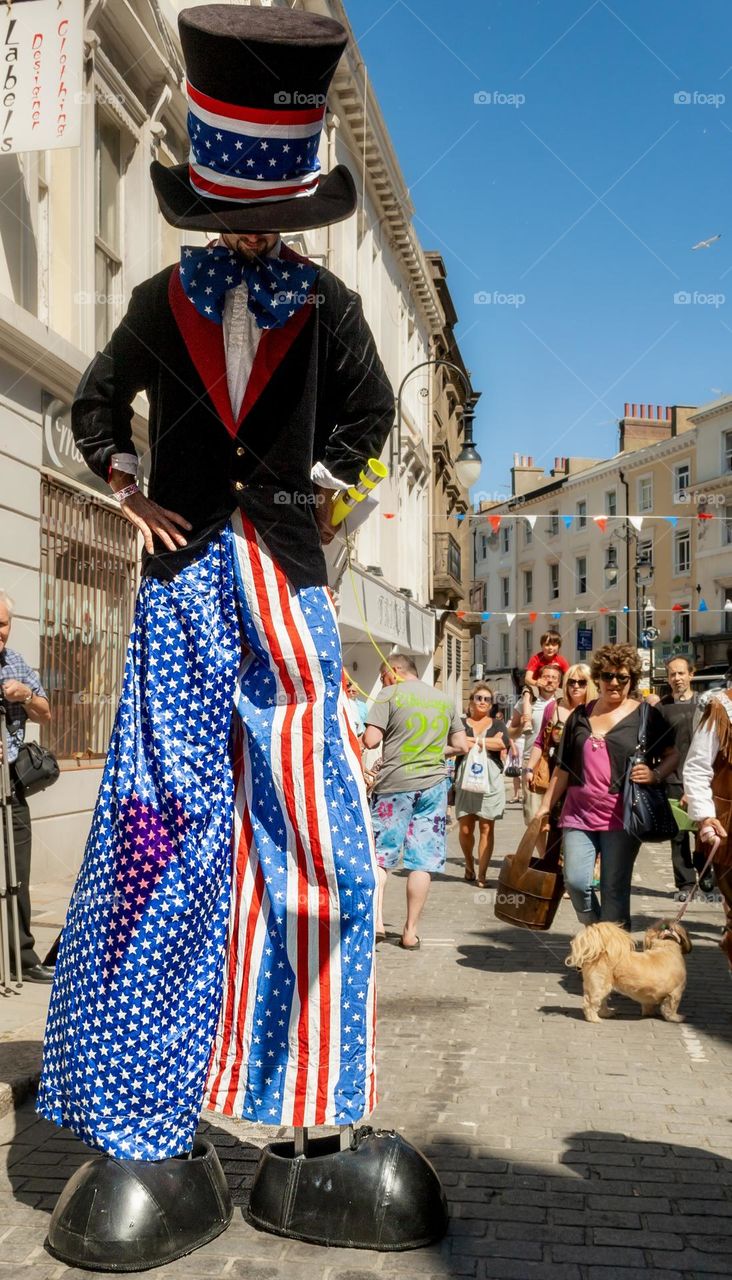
x=10, y=925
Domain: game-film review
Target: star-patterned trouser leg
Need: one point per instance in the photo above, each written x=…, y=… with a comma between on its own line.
x=145, y=982
x=294, y=1044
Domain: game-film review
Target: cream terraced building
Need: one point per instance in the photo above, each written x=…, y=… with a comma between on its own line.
x=600, y=583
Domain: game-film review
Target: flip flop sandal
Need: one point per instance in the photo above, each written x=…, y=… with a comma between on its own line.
x=470, y=878
x=409, y=946
x=380, y=937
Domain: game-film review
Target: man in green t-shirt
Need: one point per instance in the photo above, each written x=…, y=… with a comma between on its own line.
x=416, y=723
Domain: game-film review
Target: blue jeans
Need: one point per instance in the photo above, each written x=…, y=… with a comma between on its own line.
x=618, y=852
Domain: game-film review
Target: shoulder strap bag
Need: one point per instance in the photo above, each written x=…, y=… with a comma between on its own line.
x=646, y=811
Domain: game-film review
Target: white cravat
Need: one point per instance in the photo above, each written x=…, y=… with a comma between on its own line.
x=242, y=336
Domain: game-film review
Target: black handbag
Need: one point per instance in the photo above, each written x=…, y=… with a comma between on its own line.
x=35, y=768
x=647, y=813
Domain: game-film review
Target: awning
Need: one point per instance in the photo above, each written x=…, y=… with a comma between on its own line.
x=366, y=601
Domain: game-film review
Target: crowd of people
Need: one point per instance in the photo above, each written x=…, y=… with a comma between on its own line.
x=576, y=735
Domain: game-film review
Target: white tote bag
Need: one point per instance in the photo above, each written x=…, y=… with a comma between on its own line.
x=476, y=774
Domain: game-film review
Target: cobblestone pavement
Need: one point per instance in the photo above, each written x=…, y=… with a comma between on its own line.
x=568, y=1150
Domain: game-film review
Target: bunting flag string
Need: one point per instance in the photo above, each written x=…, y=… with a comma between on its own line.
x=602, y=521
x=510, y=618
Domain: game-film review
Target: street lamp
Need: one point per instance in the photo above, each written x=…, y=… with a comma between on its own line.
x=468, y=462
x=628, y=535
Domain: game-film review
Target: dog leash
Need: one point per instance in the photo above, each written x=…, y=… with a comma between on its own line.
x=715, y=843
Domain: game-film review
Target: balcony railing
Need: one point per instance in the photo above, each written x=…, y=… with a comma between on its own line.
x=448, y=564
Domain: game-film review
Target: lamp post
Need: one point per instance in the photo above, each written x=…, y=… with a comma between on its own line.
x=468, y=462
x=628, y=535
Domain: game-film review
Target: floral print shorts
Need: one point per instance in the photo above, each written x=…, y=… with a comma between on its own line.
x=412, y=822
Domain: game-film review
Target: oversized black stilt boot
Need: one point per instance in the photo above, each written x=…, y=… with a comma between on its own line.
x=131, y=1215
x=360, y=1189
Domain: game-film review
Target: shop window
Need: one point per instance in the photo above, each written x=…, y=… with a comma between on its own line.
x=88, y=587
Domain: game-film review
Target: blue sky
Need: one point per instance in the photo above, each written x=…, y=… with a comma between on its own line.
x=581, y=202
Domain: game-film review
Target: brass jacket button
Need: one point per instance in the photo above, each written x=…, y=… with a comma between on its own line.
x=238, y=486
x=240, y=452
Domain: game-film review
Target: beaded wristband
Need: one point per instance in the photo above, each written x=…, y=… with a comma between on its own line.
x=127, y=492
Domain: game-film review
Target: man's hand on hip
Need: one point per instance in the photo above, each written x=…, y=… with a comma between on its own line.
x=154, y=521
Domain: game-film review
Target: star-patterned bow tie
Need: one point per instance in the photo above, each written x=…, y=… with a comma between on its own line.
x=277, y=287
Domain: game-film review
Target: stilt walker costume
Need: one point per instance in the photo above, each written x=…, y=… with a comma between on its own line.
x=218, y=947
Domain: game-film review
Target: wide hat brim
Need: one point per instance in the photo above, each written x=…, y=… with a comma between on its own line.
x=333, y=200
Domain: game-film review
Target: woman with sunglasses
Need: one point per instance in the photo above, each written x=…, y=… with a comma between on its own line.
x=578, y=688
x=474, y=806
x=599, y=739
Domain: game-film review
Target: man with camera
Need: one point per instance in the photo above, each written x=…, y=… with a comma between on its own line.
x=25, y=699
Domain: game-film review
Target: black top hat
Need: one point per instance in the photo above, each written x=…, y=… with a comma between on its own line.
x=257, y=86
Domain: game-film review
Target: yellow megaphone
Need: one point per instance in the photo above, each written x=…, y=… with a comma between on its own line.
x=373, y=473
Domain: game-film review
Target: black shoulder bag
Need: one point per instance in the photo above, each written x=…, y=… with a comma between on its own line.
x=35, y=768
x=647, y=813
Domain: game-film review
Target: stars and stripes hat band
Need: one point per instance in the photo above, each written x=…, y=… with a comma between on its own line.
x=248, y=153
x=257, y=84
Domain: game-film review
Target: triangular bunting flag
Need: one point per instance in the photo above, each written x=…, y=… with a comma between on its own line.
x=602, y=610
x=601, y=522
x=703, y=607
x=510, y=617
x=485, y=617
x=626, y=609
x=531, y=521
x=677, y=608
x=495, y=523
x=674, y=520
x=459, y=613
x=533, y=616
x=389, y=515
x=460, y=517
x=567, y=521
x=727, y=605
x=636, y=521
x=556, y=615
x=704, y=515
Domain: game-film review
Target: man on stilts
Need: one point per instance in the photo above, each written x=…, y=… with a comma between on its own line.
x=219, y=945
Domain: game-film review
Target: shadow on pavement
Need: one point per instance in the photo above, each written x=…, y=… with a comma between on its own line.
x=612, y=1202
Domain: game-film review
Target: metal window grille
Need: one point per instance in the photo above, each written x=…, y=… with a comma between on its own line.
x=458, y=658
x=448, y=654
x=88, y=587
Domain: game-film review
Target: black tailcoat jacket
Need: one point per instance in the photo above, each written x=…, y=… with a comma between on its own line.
x=317, y=392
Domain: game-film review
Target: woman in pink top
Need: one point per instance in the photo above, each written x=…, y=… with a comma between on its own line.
x=597, y=743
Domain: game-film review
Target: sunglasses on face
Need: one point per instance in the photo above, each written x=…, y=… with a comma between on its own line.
x=610, y=676
x=478, y=697
x=582, y=683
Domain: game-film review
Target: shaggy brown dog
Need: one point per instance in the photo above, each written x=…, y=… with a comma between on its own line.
x=655, y=977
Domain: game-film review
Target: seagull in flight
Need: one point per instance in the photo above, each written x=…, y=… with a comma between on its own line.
x=704, y=244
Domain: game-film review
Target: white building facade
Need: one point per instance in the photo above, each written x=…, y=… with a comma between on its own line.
x=79, y=228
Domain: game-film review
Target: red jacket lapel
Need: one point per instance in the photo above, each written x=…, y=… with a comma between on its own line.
x=204, y=341
x=273, y=347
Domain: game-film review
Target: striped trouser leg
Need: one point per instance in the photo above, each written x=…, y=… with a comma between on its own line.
x=294, y=1043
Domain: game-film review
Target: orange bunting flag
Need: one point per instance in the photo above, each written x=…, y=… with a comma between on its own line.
x=459, y=613
x=601, y=522
x=533, y=617
x=495, y=523
x=389, y=515
x=602, y=609
x=704, y=515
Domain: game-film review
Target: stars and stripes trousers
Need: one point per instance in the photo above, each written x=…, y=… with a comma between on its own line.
x=218, y=949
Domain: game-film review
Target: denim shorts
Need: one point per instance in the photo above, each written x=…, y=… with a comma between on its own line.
x=412, y=822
